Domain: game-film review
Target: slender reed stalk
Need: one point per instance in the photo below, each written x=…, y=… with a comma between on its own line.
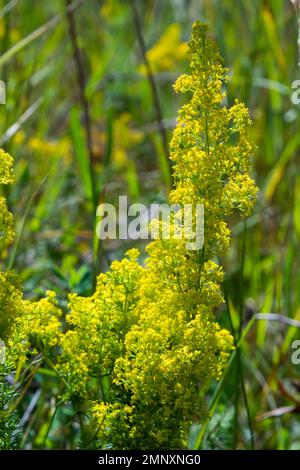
x=152, y=83
x=81, y=85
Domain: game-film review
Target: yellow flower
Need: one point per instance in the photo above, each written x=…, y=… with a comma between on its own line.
x=6, y=168
x=168, y=51
x=100, y=324
x=125, y=138
x=6, y=218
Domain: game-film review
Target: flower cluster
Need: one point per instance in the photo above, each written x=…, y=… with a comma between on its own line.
x=22, y=323
x=99, y=324
x=37, y=328
x=10, y=303
x=10, y=292
x=142, y=350
x=176, y=347
x=6, y=219
x=210, y=148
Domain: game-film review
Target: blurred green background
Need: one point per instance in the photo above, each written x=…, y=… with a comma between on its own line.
x=81, y=121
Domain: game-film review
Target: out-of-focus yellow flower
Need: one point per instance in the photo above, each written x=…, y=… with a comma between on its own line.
x=1, y=28
x=168, y=51
x=50, y=149
x=15, y=35
x=19, y=138
x=112, y=8
x=125, y=138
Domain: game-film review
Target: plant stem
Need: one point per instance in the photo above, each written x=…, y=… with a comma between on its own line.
x=81, y=86
x=152, y=83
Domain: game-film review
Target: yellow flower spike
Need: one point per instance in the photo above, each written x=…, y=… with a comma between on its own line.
x=6, y=168
x=6, y=219
x=176, y=347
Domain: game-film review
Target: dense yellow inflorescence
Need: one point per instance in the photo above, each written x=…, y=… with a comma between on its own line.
x=176, y=347
x=6, y=219
x=143, y=348
x=99, y=325
x=22, y=323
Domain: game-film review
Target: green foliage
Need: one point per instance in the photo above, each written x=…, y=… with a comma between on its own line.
x=9, y=422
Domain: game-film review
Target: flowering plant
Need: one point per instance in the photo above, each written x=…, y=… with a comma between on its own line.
x=139, y=354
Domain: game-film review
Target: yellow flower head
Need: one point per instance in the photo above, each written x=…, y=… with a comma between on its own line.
x=6, y=219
